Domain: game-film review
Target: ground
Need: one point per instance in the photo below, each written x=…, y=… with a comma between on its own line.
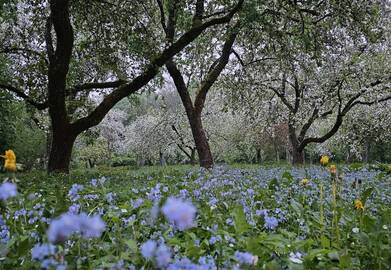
x=234, y=217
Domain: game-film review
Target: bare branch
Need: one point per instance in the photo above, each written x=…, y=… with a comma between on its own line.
x=23, y=95
x=95, y=85
x=162, y=15
x=215, y=71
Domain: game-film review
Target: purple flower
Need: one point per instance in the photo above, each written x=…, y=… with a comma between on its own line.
x=18, y=213
x=262, y=212
x=163, y=256
x=246, y=258
x=212, y=203
x=110, y=197
x=68, y=224
x=91, y=197
x=7, y=190
x=137, y=203
x=184, y=193
x=74, y=209
x=91, y=227
x=94, y=182
x=148, y=249
x=179, y=213
x=40, y=251
x=49, y=262
x=154, y=194
x=73, y=192
x=214, y=239
x=270, y=223
x=4, y=232
x=250, y=192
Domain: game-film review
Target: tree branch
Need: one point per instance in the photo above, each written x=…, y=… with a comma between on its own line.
x=162, y=15
x=95, y=85
x=97, y=115
x=215, y=71
x=21, y=94
x=15, y=50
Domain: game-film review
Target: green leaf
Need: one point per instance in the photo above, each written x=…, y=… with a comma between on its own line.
x=297, y=207
x=288, y=176
x=241, y=225
x=132, y=245
x=344, y=261
x=273, y=184
x=273, y=265
x=365, y=195
x=24, y=246
x=325, y=242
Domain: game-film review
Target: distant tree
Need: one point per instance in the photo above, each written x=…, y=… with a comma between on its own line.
x=317, y=61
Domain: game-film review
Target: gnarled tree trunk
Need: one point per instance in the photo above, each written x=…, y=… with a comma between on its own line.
x=201, y=141
x=61, y=151
x=297, y=150
x=297, y=156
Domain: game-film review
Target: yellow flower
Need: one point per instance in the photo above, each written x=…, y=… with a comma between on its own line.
x=304, y=181
x=358, y=204
x=324, y=160
x=10, y=161
x=333, y=169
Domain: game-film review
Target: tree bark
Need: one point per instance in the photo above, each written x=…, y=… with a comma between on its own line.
x=201, y=141
x=297, y=156
x=162, y=160
x=297, y=147
x=192, y=156
x=258, y=158
x=61, y=151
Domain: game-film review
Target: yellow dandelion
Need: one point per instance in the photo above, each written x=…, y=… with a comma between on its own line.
x=358, y=204
x=304, y=181
x=324, y=160
x=333, y=169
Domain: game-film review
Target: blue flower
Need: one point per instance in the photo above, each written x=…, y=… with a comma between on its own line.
x=163, y=256
x=7, y=190
x=179, y=213
x=137, y=203
x=262, y=212
x=214, y=239
x=110, y=197
x=74, y=209
x=94, y=182
x=4, y=232
x=246, y=258
x=270, y=223
x=73, y=192
x=91, y=227
x=18, y=213
x=155, y=194
x=68, y=224
x=49, y=262
x=40, y=251
x=148, y=249
x=184, y=193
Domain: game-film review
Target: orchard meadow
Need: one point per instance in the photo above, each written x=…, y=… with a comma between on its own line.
x=195, y=134
x=182, y=218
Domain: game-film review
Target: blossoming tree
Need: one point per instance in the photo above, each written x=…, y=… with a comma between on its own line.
x=67, y=50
